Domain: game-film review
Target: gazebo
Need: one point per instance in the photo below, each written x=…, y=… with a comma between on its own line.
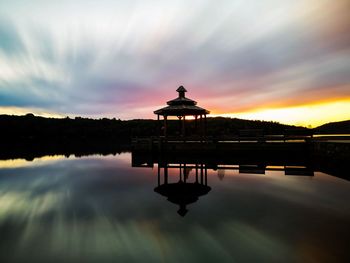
x=180, y=108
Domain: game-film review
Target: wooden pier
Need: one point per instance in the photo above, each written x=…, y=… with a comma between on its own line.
x=228, y=143
x=329, y=154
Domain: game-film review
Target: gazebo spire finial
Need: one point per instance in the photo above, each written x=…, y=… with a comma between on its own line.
x=181, y=90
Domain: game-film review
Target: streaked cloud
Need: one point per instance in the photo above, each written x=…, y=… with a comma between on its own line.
x=122, y=58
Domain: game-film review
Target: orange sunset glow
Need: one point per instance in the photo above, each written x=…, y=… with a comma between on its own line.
x=285, y=61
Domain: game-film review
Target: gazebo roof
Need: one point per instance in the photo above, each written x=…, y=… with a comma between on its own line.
x=181, y=106
x=181, y=101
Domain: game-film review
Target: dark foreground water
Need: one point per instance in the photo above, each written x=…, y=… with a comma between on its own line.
x=99, y=209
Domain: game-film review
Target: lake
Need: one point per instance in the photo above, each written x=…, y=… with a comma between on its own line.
x=100, y=209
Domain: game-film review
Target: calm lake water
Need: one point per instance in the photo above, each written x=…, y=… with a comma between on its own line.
x=100, y=209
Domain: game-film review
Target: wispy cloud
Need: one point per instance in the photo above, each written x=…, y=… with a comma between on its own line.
x=118, y=58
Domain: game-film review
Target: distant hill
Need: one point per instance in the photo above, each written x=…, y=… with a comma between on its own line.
x=340, y=127
x=30, y=136
x=34, y=127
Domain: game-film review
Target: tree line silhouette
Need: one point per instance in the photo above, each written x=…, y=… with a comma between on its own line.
x=32, y=136
x=35, y=127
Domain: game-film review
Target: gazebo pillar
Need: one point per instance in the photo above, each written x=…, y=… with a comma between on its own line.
x=158, y=125
x=158, y=174
x=180, y=123
x=165, y=125
x=195, y=123
x=183, y=125
x=205, y=125
x=184, y=172
x=166, y=173
x=201, y=178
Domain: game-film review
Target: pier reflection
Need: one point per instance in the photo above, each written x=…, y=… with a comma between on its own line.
x=190, y=181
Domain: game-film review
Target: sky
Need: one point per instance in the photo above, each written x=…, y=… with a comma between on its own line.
x=280, y=60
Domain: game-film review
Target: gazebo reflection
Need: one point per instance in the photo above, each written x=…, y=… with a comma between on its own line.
x=183, y=192
x=190, y=180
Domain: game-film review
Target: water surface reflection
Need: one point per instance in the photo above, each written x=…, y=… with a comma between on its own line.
x=100, y=209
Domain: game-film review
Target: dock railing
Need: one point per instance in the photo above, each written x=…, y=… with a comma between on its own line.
x=254, y=136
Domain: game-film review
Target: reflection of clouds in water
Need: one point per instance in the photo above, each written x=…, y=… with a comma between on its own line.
x=46, y=160
x=20, y=206
x=296, y=191
x=101, y=208
x=17, y=163
x=250, y=238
